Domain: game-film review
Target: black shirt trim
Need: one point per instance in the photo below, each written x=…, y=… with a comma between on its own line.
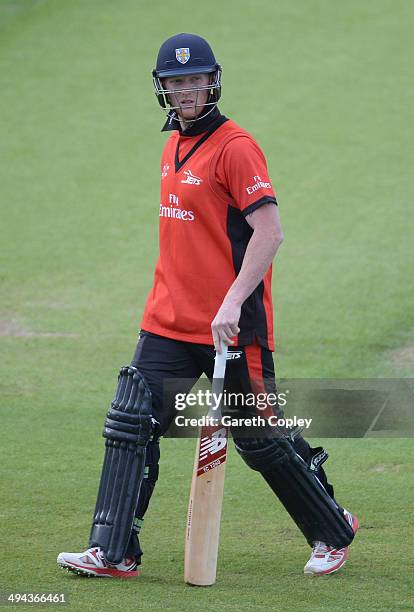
x=213, y=127
x=258, y=204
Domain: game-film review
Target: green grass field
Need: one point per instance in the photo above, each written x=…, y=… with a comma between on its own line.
x=326, y=88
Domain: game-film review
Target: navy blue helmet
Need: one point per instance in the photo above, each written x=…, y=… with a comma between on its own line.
x=185, y=54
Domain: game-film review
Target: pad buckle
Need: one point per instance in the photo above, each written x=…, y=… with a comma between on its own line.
x=318, y=458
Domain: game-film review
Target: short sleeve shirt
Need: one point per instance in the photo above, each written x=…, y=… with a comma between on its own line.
x=209, y=184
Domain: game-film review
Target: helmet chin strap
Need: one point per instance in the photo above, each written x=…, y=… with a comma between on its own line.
x=190, y=122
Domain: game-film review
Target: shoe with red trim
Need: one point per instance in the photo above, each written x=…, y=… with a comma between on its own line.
x=328, y=559
x=93, y=563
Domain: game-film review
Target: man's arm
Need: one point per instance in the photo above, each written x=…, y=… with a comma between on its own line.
x=266, y=238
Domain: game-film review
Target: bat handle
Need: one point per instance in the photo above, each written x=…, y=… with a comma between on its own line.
x=218, y=378
x=220, y=362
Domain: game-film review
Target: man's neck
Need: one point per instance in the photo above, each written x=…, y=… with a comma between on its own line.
x=190, y=126
x=185, y=125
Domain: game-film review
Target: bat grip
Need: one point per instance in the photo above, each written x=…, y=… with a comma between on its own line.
x=220, y=362
x=218, y=378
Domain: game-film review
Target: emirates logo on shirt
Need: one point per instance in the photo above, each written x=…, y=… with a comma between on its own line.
x=174, y=211
x=191, y=179
x=258, y=184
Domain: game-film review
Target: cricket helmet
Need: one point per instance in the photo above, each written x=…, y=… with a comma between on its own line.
x=184, y=54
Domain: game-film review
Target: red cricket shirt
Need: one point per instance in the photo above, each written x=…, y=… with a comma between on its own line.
x=209, y=183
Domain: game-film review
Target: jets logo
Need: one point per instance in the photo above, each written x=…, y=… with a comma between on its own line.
x=234, y=355
x=191, y=179
x=182, y=55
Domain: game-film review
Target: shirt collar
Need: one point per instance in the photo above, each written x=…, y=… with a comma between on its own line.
x=197, y=128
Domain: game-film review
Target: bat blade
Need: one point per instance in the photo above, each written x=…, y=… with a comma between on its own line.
x=204, y=508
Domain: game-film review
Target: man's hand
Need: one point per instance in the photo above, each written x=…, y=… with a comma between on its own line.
x=226, y=323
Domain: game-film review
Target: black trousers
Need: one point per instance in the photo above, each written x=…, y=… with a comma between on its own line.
x=172, y=366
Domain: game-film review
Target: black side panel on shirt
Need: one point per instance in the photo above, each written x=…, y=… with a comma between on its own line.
x=253, y=324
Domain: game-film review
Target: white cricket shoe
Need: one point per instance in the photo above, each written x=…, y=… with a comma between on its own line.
x=328, y=559
x=93, y=563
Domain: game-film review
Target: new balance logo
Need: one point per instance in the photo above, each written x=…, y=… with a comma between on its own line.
x=213, y=445
x=191, y=179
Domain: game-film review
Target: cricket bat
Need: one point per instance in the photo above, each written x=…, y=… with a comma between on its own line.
x=206, y=495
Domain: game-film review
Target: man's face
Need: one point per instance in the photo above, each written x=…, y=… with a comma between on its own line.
x=190, y=103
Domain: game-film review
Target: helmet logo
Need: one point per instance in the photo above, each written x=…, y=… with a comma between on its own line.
x=182, y=55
